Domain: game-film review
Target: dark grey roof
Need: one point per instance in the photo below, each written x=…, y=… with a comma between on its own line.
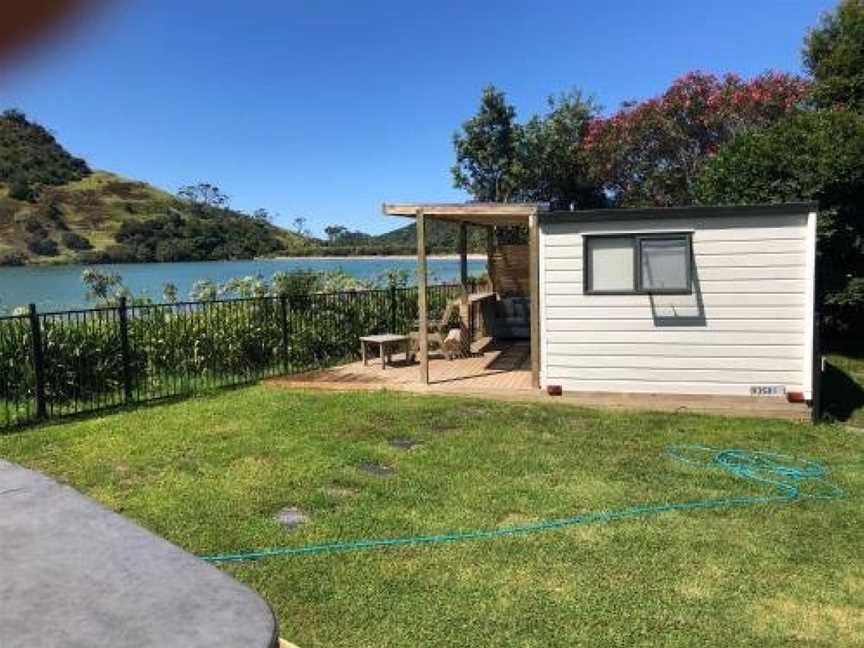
x=776, y=209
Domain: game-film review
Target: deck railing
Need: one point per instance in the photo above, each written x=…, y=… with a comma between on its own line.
x=55, y=364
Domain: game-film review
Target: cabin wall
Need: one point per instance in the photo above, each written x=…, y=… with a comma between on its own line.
x=747, y=324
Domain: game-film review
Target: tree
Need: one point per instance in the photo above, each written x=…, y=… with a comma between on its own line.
x=204, y=290
x=834, y=55
x=551, y=164
x=169, y=292
x=486, y=150
x=300, y=226
x=650, y=153
x=204, y=198
x=335, y=232
x=816, y=155
x=262, y=215
x=102, y=287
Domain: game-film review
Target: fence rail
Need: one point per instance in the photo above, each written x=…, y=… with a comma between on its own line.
x=55, y=364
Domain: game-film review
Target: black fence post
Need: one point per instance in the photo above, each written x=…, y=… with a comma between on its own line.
x=283, y=316
x=36, y=352
x=393, y=308
x=816, y=403
x=124, y=349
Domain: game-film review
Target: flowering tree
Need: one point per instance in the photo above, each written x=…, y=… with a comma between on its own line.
x=650, y=153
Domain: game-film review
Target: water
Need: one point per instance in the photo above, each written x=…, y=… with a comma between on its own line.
x=59, y=287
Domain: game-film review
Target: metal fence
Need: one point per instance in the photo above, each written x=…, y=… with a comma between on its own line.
x=55, y=364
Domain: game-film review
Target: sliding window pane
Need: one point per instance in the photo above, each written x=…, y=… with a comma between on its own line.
x=610, y=260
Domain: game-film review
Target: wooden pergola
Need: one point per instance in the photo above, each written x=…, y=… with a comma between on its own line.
x=486, y=215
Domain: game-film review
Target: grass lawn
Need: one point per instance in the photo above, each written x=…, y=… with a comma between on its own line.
x=209, y=473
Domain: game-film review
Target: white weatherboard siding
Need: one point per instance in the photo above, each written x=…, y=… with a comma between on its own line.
x=747, y=323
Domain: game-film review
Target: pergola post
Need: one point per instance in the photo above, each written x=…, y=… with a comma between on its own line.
x=422, y=307
x=463, y=255
x=534, y=287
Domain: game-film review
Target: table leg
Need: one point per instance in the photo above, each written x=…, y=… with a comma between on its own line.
x=363, y=351
x=381, y=348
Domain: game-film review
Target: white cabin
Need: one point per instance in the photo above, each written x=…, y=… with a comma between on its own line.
x=695, y=300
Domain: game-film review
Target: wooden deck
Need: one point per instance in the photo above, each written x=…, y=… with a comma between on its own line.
x=492, y=366
x=502, y=371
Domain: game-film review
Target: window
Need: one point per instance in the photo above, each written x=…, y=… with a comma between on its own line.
x=665, y=264
x=638, y=264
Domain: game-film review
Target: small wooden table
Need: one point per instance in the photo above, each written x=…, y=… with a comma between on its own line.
x=386, y=342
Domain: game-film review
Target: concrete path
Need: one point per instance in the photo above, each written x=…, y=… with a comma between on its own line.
x=76, y=575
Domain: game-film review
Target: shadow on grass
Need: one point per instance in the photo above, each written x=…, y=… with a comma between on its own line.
x=106, y=410
x=842, y=396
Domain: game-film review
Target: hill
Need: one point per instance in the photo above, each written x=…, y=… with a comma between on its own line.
x=441, y=237
x=54, y=209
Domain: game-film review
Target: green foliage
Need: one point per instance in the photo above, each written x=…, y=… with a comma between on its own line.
x=341, y=236
x=834, y=55
x=814, y=156
x=75, y=241
x=551, y=162
x=30, y=157
x=184, y=348
x=204, y=199
x=441, y=237
x=175, y=237
x=20, y=189
x=41, y=246
x=650, y=153
x=103, y=287
x=169, y=293
x=12, y=258
x=486, y=150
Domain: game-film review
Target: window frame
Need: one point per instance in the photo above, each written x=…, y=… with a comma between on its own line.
x=637, y=238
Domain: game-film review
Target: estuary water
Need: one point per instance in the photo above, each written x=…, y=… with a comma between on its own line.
x=59, y=287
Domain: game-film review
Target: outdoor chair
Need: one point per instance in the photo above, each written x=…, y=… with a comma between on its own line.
x=440, y=335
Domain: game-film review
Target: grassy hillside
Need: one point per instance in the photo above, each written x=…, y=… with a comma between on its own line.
x=54, y=209
x=104, y=217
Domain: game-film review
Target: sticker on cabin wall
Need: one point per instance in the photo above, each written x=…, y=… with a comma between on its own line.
x=767, y=390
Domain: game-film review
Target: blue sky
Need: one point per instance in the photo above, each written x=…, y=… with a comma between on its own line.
x=325, y=109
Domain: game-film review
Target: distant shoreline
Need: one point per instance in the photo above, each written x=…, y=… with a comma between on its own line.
x=318, y=257
x=372, y=257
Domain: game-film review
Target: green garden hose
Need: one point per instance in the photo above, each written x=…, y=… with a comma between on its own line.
x=785, y=474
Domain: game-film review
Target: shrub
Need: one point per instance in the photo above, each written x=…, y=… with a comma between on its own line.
x=42, y=246
x=75, y=241
x=12, y=258
x=20, y=189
